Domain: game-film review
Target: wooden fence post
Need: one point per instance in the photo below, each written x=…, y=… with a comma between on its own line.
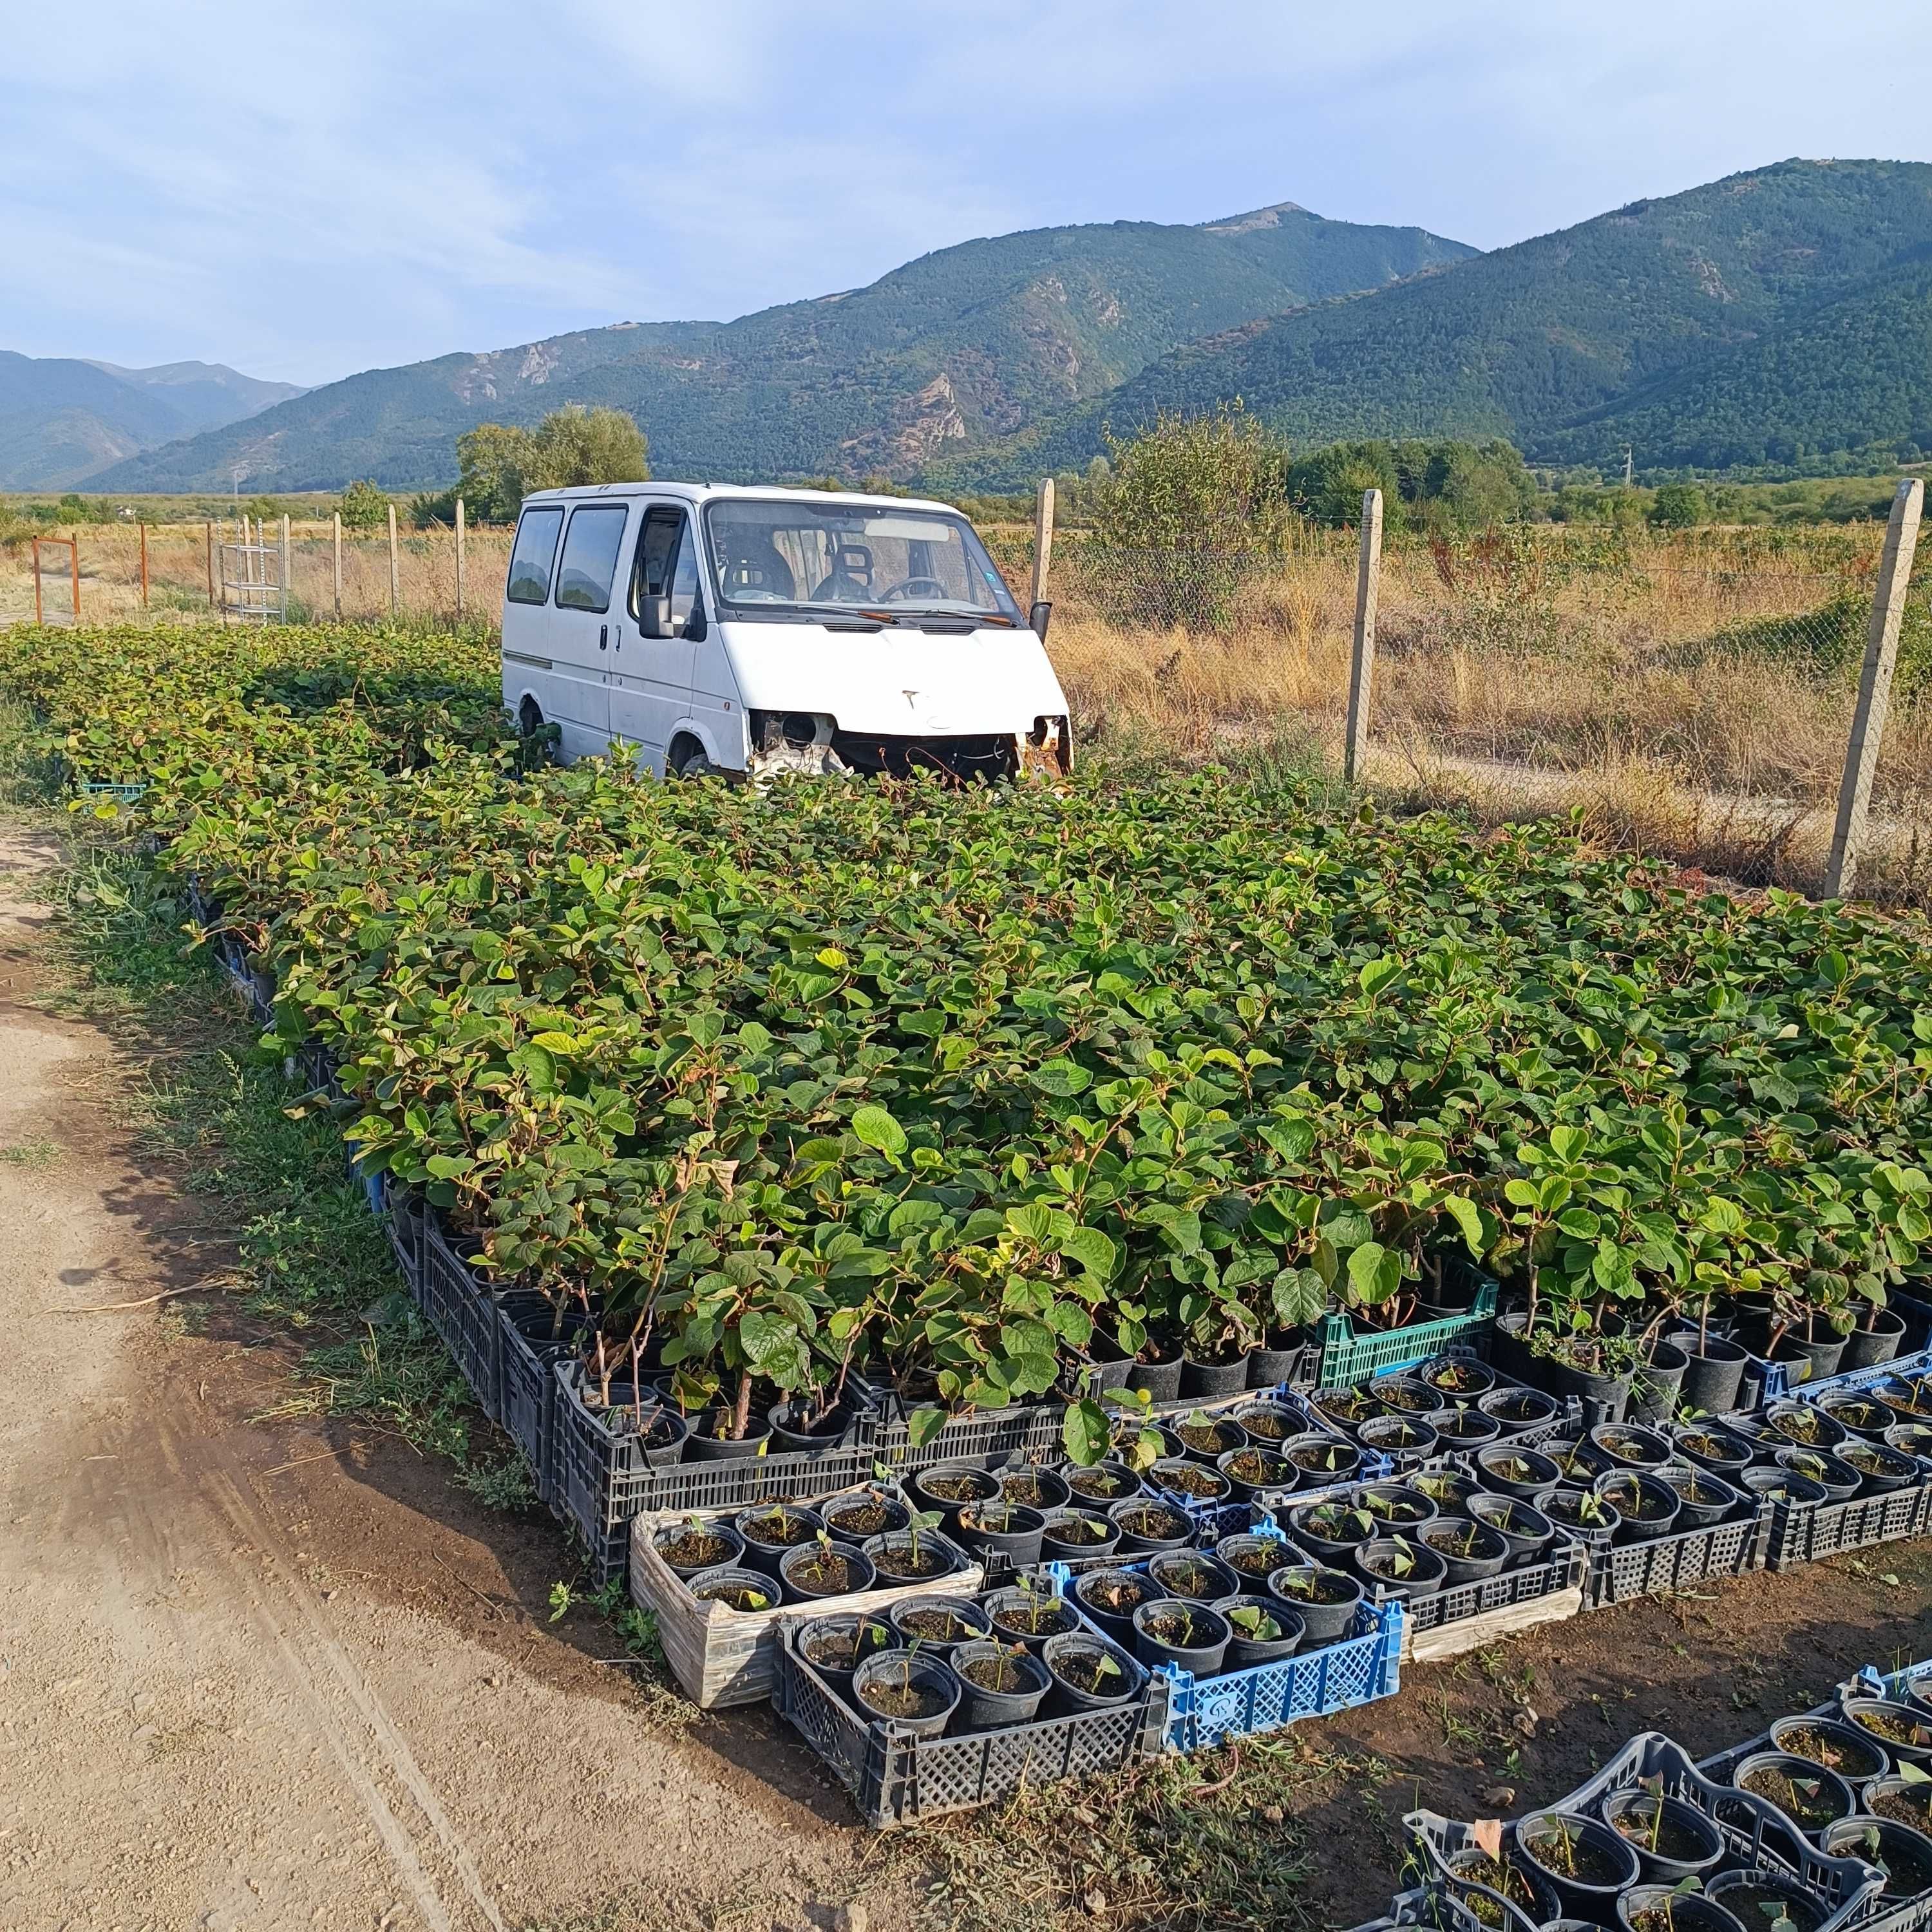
x=285, y=566
x=144, y=566
x=1888, y=613
x=395, y=583
x=73, y=559
x=39, y=617
x=1362, y=661
x=338, y=566
x=1043, y=539
x=459, y=559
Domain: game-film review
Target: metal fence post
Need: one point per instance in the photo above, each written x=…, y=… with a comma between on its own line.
x=338, y=566
x=1043, y=539
x=285, y=566
x=1362, y=661
x=1888, y=613
x=395, y=587
x=459, y=559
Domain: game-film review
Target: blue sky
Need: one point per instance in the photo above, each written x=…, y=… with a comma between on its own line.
x=304, y=192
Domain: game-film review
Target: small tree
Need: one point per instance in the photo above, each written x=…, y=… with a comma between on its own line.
x=1679, y=506
x=364, y=504
x=1215, y=482
x=574, y=446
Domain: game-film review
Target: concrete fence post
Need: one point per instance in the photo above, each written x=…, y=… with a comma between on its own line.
x=1043, y=539
x=1888, y=613
x=395, y=576
x=1362, y=659
x=336, y=534
x=459, y=559
x=285, y=567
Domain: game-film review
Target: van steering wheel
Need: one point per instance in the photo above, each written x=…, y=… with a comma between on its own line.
x=917, y=587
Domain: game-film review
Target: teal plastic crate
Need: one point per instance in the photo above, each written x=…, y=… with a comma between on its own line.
x=121, y=794
x=1348, y=1358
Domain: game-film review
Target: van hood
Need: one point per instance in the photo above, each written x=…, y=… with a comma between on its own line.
x=898, y=682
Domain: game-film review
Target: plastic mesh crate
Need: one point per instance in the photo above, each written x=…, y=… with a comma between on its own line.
x=1667, y=1563
x=1756, y=1835
x=1809, y=1532
x=1565, y=1570
x=1347, y=1358
x=1853, y=1380
x=894, y=1778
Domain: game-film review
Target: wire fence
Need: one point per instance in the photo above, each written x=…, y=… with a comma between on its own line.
x=1691, y=694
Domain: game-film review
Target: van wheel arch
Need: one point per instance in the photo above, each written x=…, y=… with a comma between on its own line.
x=687, y=757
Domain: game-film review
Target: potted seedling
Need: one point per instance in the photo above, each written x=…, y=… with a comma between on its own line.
x=1192, y=1574
x=1854, y=1754
x=835, y=1645
x=824, y=1568
x=744, y=1590
x=862, y=1514
x=1904, y=1856
x=1589, y=1864
x=1089, y=1673
x=1332, y=1532
x=1189, y=1635
x=1256, y=1557
x=917, y=1554
x=938, y=1624
x=696, y=1544
x=1005, y=1683
x=1146, y=1525
x=1069, y=1534
x=1029, y=1614
x=1905, y=1797
x=1399, y=1566
x=1110, y=1597
x=1672, y=1840
x=1472, y=1550
x=1015, y=1533
x=1325, y=1600
x=1264, y=1631
x=1185, y=1477
x=1766, y=1901
x=1680, y=1907
x=1588, y=1516
x=770, y=1529
x=917, y=1693
x=1207, y=1437
x=1808, y=1794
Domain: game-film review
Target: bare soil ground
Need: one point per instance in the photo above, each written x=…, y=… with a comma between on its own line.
x=261, y=1674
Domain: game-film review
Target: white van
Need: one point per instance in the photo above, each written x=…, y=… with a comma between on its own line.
x=753, y=631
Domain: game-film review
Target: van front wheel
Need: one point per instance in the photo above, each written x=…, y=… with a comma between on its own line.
x=694, y=764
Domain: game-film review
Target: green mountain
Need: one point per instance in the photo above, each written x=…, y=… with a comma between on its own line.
x=1729, y=306
x=61, y=420
x=949, y=352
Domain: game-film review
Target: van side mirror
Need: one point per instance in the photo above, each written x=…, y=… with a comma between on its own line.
x=654, y=617
x=1037, y=617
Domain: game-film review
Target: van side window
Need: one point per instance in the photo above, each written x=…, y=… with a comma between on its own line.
x=590, y=557
x=530, y=559
x=666, y=565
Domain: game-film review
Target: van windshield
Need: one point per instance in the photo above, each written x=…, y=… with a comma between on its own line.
x=779, y=559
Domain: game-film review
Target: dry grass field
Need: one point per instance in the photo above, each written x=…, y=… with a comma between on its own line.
x=1691, y=694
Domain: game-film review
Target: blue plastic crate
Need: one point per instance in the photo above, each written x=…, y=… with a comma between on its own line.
x=1854, y=1380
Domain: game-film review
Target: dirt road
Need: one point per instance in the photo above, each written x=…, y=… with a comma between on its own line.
x=255, y=1677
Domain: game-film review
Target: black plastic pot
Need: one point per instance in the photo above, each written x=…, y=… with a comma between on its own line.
x=937, y=1623
x=1380, y=1563
x=800, y=1587
x=1909, y=1397
x=1146, y=1523
x=1450, y=1490
x=1012, y=1610
x=845, y=1635
x=1540, y=1840
x=1271, y=1424
x=1804, y=1424
x=1322, y=1458
x=727, y=1585
x=1247, y=1650
x=1160, y=1378
x=1702, y=1499
x=1035, y=1488
x=1003, y=1528
x=703, y=1444
x=1910, y=1439
x=1189, y=1635
x=1835, y=1476
x=801, y=1527
x=1690, y=1913
x=1834, y=1800
x=1406, y=1394
x=1880, y=1469
x=1208, y=1441
x=1858, y=1414
x=898, y=1560
x=1894, y=1789
x=1255, y=1472
x=1627, y=1445
x=1183, y=1476
x=1394, y=1507
x=1904, y=1856
x=1490, y=1550
x=1208, y=1380
x=883, y=1510
x=1656, y=1384
x=729, y=1554
x=1782, y=1485
x=1102, y=1484
x=1069, y=1659
x=981, y=1709
x=1578, y=1463
x=1511, y=1472
x=1714, y=1372
x=1457, y=1378
x=1584, y=1516
x=1722, y=1451
x=1327, y=1616
x=1515, y=1409
x=886, y=1670
x=1398, y=1435
x=1868, y=1348
x=1648, y=1505
x=1753, y=1890
x=975, y=1485
x=665, y=1436
x=1918, y=1750
x=1695, y=1845
x=1464, y=1429
x=1329, y=1532
x=1067, y=1535
x=1118, y=1624
x=1857, y=1754
x=1346, y=1409
x=1108, y=1367
x=1193, y=1576
x=829, y=1432
x=1809, y=1361
x=1254, y=1558
x=1523, y=1526
x=1270, y=1368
